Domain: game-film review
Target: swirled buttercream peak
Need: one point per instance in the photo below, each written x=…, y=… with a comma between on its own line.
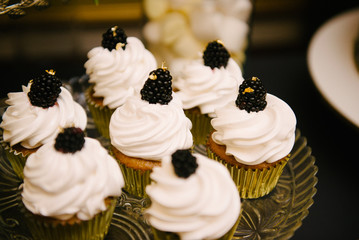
x=203, y=206
x=33, y=126
x=119, y=73
x=256, y=137
x=63, y=185
x=150, y=131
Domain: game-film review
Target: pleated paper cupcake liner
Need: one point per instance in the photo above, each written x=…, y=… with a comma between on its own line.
x=94, y=229
x=101, y=115
x=135, y=180
x=253, y=183
x=201, y=126
x=16, y=159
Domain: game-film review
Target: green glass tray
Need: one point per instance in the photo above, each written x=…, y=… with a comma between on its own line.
x=275, y=216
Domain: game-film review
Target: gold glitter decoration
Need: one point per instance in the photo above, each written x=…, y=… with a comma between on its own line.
x=254, y=79
x=248, y=90
x=119, y=45
x=153, y=76
x=113, y=29
x=163, y=65
x=51, y=72
x=220, y=42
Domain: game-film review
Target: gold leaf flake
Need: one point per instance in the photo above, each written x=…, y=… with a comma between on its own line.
x=248, y=90
x=163, y=65
x=153, y=76
x=119, y=45
x=51, y=71
x=113, y=29
x=220, y=42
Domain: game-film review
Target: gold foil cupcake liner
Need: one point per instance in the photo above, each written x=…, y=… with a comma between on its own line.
x=201, y=126
x=101, y=114
x=135, y=180
x=253, y=183
x=161, y=235
x=94, y=229
x=16, y=159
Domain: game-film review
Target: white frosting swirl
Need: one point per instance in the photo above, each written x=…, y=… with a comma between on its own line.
x=63, y=185
x=33, y=126
x=150, y=131
x=256, y=137
x=118, y=74
x=203, y=206
x=200, y=86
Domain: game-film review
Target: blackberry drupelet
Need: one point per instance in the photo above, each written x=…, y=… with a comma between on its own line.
x=184, y=163
x=114, y=38
x=45, y=90
x=252, y=95
x=216, y=55
x=72, y=139
x=158, y=87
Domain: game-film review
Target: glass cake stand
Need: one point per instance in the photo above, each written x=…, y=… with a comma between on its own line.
x=275, y=216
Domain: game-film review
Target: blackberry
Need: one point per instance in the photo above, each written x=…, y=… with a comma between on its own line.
x=216, y=55
x=252, y=95
x=45, y=90
x=114, y=38
x=184, y=163
x=158, y=87
x=72, y=139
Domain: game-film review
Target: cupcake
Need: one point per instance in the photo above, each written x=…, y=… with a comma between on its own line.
x=207, y=84
x=192, y=197
x=70, y=188
x=146, y=128
x=116, y=70
x=35, y=116
x=253, y=137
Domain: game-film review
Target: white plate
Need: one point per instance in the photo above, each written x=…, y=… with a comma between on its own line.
x=332, y=65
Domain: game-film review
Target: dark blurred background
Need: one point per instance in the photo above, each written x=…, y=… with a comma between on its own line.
x=60, y=36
